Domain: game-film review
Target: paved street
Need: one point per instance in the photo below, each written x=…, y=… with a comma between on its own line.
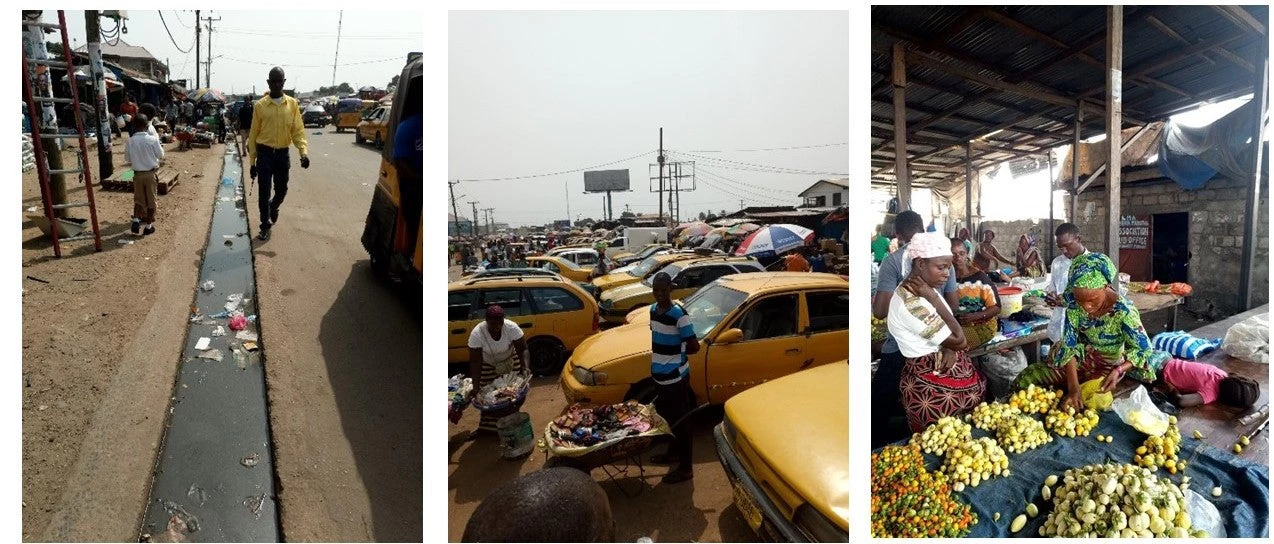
x=342, y=358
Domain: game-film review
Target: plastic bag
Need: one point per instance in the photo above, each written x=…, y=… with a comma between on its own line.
x=1001, y=370
x=1204, y=515
x=1094, y=397
x=1140, y=413
x=1249, y=340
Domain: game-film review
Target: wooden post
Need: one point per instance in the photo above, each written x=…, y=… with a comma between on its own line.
x=1048, y=234
x=1079, y=122
x=968, y=187
x=1114, y=124
x=1251, y=209
x=901, y=172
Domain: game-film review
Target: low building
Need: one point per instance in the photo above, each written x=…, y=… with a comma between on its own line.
x=133, y=57
x=458, y=228
x=826, y=193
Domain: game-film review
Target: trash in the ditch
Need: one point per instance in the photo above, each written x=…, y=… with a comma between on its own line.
x=211, y=355
x=229, y=243
x=203, y=343
x=124, y=242
x=227, y=181
x=224, y=199
x=255, y=503
x=187, y=519
x=219, y=331
x=251, y=460
x=250, y=346
x=233, y=301
x=249, y=336
x=208, y=285
x=220, y=315
x=240, y=359
x=238, y=322
x=197, y=493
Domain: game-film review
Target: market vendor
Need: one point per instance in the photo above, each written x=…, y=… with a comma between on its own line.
x=496, y=347
x=1029, y=262
x=672, y=340
x=987, y=257
x=938, y=379
x=979, y=302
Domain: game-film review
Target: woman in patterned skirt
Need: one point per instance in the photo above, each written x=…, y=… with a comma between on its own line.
x=938, y=379
x=496, y=347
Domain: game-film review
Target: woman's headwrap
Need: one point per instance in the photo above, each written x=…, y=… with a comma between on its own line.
x=925, y=245
x=1091, y=271
x=495, y=311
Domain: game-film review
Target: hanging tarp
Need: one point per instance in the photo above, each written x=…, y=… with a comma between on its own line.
x=1192, y=156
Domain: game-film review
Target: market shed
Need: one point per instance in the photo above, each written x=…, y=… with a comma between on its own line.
x=962, y=88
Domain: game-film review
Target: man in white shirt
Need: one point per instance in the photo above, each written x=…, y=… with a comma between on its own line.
x=144, y=153
x=1068, y=240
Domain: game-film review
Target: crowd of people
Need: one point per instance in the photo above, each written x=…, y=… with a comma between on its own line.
x=935, y=299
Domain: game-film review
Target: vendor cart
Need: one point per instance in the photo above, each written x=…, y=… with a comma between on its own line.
x=617, y=458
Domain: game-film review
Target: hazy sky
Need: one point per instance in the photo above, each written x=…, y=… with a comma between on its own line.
x=250, y=42
x=541, y=92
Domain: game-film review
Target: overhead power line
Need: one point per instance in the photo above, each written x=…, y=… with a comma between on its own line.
x=780, y=169
x=178, y=18
x=511, y=178
x=286, y=65
x=816, y=146
x=272, y=34
x=170, y=35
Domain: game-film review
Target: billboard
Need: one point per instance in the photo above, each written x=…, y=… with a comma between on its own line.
x=600, y=181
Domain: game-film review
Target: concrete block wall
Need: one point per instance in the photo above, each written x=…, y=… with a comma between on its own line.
x=1216, y=234
x=1007, y=232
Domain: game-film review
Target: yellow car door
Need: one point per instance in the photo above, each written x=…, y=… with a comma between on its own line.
x=461, y=320
x=762, y=343
x=828, y=325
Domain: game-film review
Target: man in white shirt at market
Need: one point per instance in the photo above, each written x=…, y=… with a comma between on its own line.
x=1068, y=240
x=144, y=153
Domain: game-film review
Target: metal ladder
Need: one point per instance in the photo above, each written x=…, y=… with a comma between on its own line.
x=37, y=143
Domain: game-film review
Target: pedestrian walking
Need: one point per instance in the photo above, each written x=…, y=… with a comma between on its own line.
x=672, y=338
x=188, y=113
x=245, y=124
x=276, y=123
x=144, y=153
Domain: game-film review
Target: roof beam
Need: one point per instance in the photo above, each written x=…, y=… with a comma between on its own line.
x=1168, y=60
x=981, y=122
x=1241, y=18
x=1123, y=148
x=1219, y=51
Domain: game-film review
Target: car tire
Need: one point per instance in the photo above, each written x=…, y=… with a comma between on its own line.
x=358, y=137
x=379, y=143
x=642, y=391
x=547, y=356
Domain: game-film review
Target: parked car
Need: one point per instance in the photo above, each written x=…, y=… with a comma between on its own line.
x=555, y=316
x=786, y=493
x=315, y=115
x=645, y=269
x=688, y=276
x=374, y=127
x=515, y=272
x=634, y=258
x=565, y=267
x=753, y=328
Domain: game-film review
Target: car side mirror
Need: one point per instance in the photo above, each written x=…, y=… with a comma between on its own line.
x=732, y=336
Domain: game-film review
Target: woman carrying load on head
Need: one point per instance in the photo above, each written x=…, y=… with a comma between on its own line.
x=496, y=347
x=1102, y=337
x=1029, y=263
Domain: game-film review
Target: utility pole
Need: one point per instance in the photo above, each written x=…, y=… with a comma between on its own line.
x=473, y=229
x=487, y=214
x=661, y=175
x=337, y=55
x=208, y=73
x=197, y=28
x=455, y=215
x=741, y=204
x=37, y=49
x=105, y=163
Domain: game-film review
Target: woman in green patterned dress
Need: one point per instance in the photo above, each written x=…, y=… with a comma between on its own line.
x=1102, y=338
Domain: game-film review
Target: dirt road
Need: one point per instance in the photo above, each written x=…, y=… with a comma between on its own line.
x=342, y=358
x=701, y=510
x=101, y=337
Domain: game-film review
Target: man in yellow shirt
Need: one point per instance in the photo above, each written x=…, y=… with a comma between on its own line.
x=276, y=123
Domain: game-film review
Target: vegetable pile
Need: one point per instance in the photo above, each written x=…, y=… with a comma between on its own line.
x=1067, y=423
x=974, y=461
x=942, y=435
x=989, y=416
x=910, y=502
x=1021, y=433
x=1115, y=501
x=1161, y=451
x=1035, y=400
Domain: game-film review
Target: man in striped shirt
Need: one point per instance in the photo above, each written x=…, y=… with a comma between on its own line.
x=672, y=338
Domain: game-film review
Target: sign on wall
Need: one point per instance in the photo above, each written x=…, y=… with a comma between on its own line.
x=1134, y=232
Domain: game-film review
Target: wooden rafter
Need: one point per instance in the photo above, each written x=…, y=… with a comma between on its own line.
x=1241, y=18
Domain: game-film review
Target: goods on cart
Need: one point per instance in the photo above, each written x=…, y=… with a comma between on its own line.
x=943, y=434
x=1035, y=400
x=974, y=461
x=583, y=428
x=1112, y=501
x=1161, y=451
x=989, y=416
x=1021, y=433
x=503, y=393
x=458, y=389
x=908, y=501
x=1070, y=424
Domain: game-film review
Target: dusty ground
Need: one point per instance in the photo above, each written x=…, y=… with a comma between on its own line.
x=342, y=359
x=701, y=510
x=100, y=343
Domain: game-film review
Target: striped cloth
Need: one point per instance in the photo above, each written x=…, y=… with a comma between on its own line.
x=669, y=332
x=1184, y=346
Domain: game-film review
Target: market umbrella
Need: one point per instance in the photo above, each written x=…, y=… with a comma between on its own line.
x=695, y=228
x=207, y=95
x=775, y=239
x=742, y=229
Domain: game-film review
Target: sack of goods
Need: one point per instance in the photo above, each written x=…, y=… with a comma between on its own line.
x=458, y=388
x=584, y=426
x=503, y=393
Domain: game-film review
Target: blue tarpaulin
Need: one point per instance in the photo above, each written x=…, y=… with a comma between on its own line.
x=1192, y=156
x=1244, y=504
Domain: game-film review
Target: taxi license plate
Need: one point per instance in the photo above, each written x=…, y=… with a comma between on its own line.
x=744, y=502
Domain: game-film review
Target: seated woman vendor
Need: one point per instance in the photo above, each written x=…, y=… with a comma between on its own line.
x=938, y=379
x=1193, y=384
x=1102, y=336
x=979, y=302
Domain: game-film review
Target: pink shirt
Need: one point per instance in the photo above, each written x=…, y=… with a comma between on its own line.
x=1190, y=377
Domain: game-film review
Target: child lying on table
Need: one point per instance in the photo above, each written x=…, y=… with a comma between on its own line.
x=1193, y=384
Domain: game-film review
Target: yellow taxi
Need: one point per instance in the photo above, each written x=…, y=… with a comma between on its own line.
x=627, y=258
x=555, y=315
x=688, y=276
x=374, y=127
x=785, y=447
x=559, y=265
x=753, y=328
x=646, y=268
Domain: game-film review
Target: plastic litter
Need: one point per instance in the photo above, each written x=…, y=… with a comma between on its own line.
x=189, y=520
x=208, y=285
x=255, y=503
x=250, y=346
x=233, y=301
x=246, y=335
x=212, y=355
x=251, y=460
x=227, y=181
x=124, y=242
x=238, y=322
x=219, y=331
x=240, y=360
x=203, y=343
x=197, y=493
